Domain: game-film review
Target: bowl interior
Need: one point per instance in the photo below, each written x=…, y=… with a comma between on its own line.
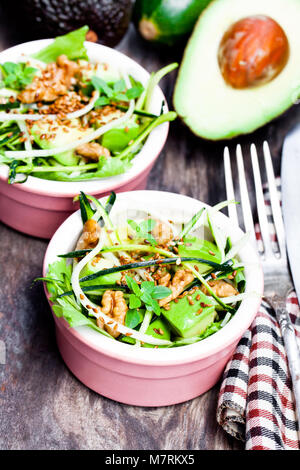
x=142, y=161
x=179, y=209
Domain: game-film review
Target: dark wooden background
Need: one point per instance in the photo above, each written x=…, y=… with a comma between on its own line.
x=42, y=405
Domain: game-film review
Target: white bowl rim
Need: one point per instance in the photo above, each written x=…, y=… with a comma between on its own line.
x=215, y=343
x=141, y=162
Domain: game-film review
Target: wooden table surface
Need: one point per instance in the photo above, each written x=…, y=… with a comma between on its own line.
x=43, y=406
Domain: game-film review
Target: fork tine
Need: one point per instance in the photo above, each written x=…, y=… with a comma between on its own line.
x=260, y=202
x=275, y=204
x=232, y=212
x=247, y=213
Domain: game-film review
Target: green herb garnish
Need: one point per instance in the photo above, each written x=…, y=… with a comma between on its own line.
x=147, y=293
x=17, y=76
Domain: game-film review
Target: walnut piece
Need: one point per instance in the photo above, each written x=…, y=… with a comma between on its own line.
x=181, y=279
x=162, y=232
x=90, y=235
x=93, y=151
x=165, y=279
x=221, y=288
x=53, y=82
x=113, y=305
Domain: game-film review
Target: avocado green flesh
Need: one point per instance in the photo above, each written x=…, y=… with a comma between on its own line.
x=185, y=319
x=162, y=327
x=213, y=109
x=198, y=248
x=64, y=135
x=90, y=268
x=167, y=21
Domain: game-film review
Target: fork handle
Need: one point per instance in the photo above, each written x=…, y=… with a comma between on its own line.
x=293, y=352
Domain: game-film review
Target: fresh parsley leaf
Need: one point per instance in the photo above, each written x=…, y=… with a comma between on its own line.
x=120, y=86
x=133, y=285
x=134, y=92
x=148, y=293
x=102, y=101
x=133, y=318
x=134, y=301
x=116, y=92
x=17, y=75
x=102, y=86
x=160, y=292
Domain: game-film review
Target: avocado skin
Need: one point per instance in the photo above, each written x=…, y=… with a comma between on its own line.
x=109, y=19
x=173, y=21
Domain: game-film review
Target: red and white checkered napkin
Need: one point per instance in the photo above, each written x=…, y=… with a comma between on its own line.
x=256, y=402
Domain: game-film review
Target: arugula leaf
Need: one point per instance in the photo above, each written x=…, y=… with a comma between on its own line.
x=58, y=282
x=71, y=44
x=17, y=75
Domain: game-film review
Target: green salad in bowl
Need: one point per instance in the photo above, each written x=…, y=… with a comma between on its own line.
x=145, y=280
x=64, y=117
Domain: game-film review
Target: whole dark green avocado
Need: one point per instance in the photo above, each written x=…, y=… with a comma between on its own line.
x=108, y=20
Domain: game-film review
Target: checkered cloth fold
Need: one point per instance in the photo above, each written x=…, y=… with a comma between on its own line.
x=256, y=402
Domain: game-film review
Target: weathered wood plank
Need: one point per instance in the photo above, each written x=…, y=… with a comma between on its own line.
x=43, y=406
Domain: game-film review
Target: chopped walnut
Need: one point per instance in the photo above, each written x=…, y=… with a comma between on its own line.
x=93, y=151
x=113, y=305
x=69, y=67
x=165, y=279
x=181, y=279
x=221, y=288
x=90, y=235
x=52, y=83
x=162, y=232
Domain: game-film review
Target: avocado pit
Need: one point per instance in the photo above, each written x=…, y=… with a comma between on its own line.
x=253, y=51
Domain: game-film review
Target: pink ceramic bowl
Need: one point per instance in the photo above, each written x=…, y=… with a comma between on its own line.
x=38, y=207
x=153, y=377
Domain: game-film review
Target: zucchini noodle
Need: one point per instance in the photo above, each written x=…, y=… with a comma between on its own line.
x=95, y=310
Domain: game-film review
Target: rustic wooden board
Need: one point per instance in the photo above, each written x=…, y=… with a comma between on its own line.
x=43, y=406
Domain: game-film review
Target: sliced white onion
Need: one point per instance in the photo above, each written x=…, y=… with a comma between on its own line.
x=95, y=310
x=24, y=117
x=24, y=130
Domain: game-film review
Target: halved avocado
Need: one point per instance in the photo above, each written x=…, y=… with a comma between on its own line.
x=208, y=96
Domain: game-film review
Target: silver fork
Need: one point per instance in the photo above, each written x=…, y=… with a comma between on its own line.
x=277, y=279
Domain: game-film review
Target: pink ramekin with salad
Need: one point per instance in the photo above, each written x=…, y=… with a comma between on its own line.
x=150, y=292
x=74, y=116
